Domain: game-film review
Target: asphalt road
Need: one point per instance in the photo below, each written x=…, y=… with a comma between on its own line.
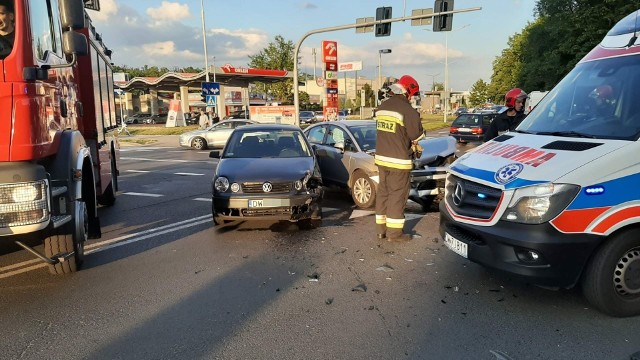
x=163, y=283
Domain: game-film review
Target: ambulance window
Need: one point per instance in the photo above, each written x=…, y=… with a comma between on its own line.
x=596, y=99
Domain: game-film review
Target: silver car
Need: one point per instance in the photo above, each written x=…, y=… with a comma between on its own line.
x=345, y=152
x=215, y=136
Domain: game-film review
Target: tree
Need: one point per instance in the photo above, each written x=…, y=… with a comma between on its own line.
x=438, y=86
x=506, y=68
x=278, y=55
x=369, y=96
x=479, y=93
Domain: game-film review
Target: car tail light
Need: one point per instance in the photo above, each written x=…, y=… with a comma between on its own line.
x=453, y=130
x=477, y=131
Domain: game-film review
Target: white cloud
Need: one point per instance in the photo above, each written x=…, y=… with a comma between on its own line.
x=169, y=11
x=107, y=8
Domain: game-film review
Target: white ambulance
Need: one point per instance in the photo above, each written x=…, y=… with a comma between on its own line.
x=557, y=201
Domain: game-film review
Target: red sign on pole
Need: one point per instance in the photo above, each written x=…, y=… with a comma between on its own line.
x=330, y=51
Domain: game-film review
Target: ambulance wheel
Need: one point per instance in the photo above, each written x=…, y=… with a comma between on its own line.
x=199, y=143
x=611, y=281
x=363, y=190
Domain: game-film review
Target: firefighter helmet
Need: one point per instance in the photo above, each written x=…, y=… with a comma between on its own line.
x=512, y=96
x=405, y=85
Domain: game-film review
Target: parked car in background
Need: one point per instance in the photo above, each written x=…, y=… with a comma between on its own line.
x=345, y=152
x=319, y=115
x=307, y=117
x=215, y=136
x=157, y=119
x=237, y=114
x=342, y=115
x=267, y=172
x=471, y=127
x=460, y=110
x=138, y=118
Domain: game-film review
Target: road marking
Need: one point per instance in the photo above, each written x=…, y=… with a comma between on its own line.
x=142, y=194
x=203, y=199
x=204, y=152
x=138, y=171
x=360, y=213
x=187, y=174
x=163, y=160
x=108, y=244
x=176, y=151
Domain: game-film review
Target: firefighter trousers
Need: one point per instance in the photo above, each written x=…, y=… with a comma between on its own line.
x=391, y=199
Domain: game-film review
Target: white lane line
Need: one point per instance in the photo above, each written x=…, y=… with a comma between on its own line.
x=203, y=199
x=141, y=194
x=176, y=151
x=130, y=241
x=146, y=232
x=360, y=213
x=204, y=152
x=93, y=248
x=162, y=160
x=138, y=171
x=188, y=174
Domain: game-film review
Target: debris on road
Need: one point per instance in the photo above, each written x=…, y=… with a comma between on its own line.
x=329, y=301
x=360, y=288
x=385, y=268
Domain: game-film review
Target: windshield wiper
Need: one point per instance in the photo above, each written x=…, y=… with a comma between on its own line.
x=566, y=134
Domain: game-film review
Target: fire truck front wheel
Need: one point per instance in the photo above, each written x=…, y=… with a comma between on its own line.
x=611, y=281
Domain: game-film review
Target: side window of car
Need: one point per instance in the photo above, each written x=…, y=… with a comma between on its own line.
x=335, y=135
x=486, y=120
x=316, y=135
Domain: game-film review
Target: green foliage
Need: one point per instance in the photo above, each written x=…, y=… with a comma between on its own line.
x=479, y=93
x=278, y=55
x=369, y=96
x=438, y=86
x=152, y=71
x=564, y=31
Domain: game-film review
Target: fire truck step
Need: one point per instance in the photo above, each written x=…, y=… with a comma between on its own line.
x=58, y=190
x=59, y=220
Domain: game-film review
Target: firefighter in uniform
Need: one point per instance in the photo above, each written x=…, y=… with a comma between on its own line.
x=508, y=120
x=398, y=130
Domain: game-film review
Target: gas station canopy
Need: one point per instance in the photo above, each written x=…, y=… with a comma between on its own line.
x=227, y=75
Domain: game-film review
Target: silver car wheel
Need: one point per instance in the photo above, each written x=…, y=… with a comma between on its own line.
x=362, y=190
x=198, y=143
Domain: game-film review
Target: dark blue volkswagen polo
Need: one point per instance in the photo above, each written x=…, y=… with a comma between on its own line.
x=267, y=172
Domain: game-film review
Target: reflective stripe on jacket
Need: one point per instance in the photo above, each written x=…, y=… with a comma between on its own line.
x=397, y=125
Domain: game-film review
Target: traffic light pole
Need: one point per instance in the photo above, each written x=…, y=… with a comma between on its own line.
x=296, y=95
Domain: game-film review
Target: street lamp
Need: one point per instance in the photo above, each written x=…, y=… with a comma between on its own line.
x=204, y=40
x=380, y=52
x=446, y=70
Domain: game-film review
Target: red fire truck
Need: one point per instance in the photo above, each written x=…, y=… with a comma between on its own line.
x=58, y=150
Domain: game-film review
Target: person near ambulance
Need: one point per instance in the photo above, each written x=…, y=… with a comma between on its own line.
x=509, y=119
x=398, y=130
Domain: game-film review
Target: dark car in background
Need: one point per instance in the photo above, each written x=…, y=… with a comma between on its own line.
x=267, y=172
x=138, y=118
x=157, y=119
x=471, y=127
x=460, y=110
x=307, y=117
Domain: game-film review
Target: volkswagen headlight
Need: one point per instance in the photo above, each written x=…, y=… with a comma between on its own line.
x=540, y=203
x=221, y=184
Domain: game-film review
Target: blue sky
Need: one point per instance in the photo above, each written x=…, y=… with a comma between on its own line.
x=169, y=33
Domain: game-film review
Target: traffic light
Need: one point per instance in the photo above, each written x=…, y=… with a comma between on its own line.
x=383, y=13
x=442, y=22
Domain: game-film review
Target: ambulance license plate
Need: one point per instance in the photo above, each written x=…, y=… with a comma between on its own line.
x=455, y=245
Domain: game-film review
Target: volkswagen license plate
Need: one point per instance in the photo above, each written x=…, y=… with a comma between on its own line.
x=256, y=203
x=265, y=203
x=455, y=245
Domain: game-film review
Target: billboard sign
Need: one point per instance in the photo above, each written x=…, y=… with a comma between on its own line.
x=350, y=66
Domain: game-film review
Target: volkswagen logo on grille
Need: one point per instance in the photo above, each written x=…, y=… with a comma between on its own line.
x=267, y=187
x=458, y=194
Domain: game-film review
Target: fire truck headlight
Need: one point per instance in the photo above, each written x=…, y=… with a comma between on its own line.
x=26, y=192
x=539, y=204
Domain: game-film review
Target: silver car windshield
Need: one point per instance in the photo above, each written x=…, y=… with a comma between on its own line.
x=266, y=144
x=597, y=99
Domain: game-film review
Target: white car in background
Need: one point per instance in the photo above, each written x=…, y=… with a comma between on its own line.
x=215, y=136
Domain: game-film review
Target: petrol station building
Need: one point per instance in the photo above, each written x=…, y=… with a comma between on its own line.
x=186, y=87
